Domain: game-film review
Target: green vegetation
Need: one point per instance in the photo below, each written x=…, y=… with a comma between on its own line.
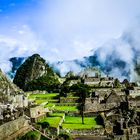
x=29, y=75
x=117, y=83
x=46, y=101
x=32, y=135
x=56, y=114
x=47, y=82
x=76, y=123
x=66, y=108
x=99, y=120
x=82, y=92
x=48, y=95
x=44, y=98
x=53, y=121
x=24, y=72
x=40, y=101
x=43, y=138
x=64, y=136
x=44, y=124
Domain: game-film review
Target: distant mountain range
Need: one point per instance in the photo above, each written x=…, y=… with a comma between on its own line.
x=61, y=67
x=111, y=65
x=75, y=65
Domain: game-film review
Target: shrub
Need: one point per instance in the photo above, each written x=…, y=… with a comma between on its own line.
x=64, y=136
x=32, y=135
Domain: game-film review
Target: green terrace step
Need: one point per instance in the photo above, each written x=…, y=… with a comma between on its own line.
x=76, y=123
x=67, y=104
x=65, y=108
x=44, y=96
x=40, y=101
x=53, y=121
x=56, y=114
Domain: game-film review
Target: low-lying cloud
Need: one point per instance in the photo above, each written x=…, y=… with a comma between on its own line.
x=119, y=58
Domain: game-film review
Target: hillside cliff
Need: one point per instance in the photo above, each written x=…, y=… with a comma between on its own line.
x=35, y=74
x=7, y=88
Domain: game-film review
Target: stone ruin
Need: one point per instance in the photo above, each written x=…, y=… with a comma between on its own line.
x=12, y=100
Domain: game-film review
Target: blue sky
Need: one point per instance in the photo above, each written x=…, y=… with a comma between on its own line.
x=62, y=29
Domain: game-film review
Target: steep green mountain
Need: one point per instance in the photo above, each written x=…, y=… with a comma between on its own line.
x=35, y=74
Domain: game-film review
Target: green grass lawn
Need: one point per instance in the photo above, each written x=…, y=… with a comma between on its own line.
x=66, y=108
x=62, y=108
x=48, y=95
x=76, y=123
x=53, y=121
x=40, y=101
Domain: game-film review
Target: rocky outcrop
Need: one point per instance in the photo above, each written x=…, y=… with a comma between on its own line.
x=7, y=88
x=14, y=128
x=10, y=94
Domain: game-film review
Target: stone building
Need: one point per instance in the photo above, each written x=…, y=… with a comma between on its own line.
x=36, y=113
x=98, y=104
x=90, y=72
x=13, y=101
x=94, y=77
x=134, y=92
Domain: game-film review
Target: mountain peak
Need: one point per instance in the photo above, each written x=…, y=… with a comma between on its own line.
x=33, y=68
x=34, y=71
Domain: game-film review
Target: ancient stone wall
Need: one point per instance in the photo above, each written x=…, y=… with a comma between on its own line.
x=93, y=105
x=68, y=100
x=11, y=127
x=92, y=132
x=124, y=137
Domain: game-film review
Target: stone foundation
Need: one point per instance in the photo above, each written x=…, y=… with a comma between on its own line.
x=87, y=132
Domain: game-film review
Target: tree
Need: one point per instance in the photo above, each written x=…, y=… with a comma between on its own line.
x=83, y=92
x=44, y=125
x=64, y=136
x=126, y=83
x=99, y=119
x=117, y=83
x=32, y=135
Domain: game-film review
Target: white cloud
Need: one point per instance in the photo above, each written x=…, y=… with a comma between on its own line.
x=22, y=44
x=66, y=29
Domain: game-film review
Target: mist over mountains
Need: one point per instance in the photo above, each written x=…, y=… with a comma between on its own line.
x=117, y=57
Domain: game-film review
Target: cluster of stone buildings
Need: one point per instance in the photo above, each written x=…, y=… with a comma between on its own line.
x=119, y=107
x=16, y=112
